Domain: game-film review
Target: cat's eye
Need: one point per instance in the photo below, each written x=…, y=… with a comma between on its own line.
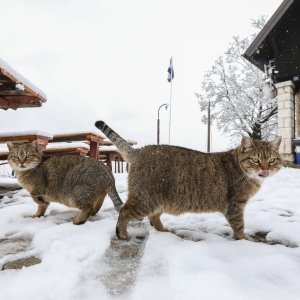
x=254, y=160
x=272, y=160
x=14, y=156
x=28, y=156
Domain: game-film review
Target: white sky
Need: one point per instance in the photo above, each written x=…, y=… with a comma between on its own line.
x=108, y=60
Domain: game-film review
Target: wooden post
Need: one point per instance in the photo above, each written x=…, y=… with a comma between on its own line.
x=42, y=143
x=109, y=164
x=94, y=150
x=118, y=158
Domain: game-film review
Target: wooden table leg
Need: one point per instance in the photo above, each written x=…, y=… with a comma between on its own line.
x=94, y=150
x=42, y=144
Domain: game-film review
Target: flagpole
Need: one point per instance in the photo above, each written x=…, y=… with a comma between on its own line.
x=170, y=113
x=171, y=90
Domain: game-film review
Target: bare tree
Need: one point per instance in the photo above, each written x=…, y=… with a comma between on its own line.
x=235, y=90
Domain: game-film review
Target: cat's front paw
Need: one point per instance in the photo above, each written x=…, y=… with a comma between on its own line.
x=36, y=216
x=122, y=235
x=77, y=221
x=248, y=238
x=244, y=237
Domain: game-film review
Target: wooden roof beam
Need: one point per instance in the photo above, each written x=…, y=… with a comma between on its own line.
x=8, y=104
x=23, y=99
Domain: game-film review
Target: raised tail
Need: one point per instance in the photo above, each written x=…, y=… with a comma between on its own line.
x=124, y=147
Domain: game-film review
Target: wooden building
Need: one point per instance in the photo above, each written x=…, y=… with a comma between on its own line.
x=16, y=91
x=278, y=46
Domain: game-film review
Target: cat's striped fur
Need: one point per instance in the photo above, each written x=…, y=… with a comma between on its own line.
x=175, y=180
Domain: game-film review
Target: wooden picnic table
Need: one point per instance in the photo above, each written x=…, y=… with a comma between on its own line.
x=110, y=153
x=93, y=139
x=41, y=138
x=110, y=156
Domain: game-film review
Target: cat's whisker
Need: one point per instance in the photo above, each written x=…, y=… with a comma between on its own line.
x=243, y=176
x=247, y=179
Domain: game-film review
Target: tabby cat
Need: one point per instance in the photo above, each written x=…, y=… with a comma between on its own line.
x=74, y=181
x=175, y=180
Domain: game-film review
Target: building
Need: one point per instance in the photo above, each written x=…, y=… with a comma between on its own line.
x=278, y=46
x=16, y=91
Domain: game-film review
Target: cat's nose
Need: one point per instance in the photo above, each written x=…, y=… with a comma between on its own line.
x=264, y=173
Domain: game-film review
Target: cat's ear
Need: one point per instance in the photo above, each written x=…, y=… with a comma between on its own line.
x=10, y=146
x=35, y=145
x=276, y=142
x=246, y=143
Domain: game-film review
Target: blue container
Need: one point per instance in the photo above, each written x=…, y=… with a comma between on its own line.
x=297, y=154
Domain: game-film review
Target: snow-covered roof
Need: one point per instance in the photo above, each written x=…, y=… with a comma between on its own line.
x=18, y=88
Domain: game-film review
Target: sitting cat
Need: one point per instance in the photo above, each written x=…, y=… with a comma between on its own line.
x=175, y=180
x=74, y=181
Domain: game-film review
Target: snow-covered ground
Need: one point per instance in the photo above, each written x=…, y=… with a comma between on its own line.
x=202, y=261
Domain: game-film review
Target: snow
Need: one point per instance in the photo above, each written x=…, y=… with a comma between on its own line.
x=8, y=182
x=109, y=148
x=95, y=132
x=29, y=132
x=131, y=142
x=6, y=68
x=68, y=145
x=200, y=261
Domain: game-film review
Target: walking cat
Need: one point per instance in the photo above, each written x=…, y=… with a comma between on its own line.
x=74, y=181
x=175, y=180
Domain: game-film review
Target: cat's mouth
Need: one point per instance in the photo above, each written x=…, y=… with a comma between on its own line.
x=23, y=167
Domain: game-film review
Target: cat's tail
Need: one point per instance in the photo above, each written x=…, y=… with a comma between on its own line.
x=115, y=198
x=126, y=150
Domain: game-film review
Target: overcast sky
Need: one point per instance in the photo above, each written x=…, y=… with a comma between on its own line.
x=108, y=60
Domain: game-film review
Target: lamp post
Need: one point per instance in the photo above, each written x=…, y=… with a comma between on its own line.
x=158, y=120
x=208, y=127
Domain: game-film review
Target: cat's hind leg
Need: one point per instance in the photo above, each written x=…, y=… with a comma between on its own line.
x=98, y=203
x=82, y=216
x=156, y=222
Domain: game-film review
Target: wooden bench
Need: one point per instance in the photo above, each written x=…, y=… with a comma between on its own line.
x=3, y=155
x=92, y=138
x=55, y=148
x=56, y=151
x=109, y=154
x=81, y=149
x=42, y=139
x=108, y=157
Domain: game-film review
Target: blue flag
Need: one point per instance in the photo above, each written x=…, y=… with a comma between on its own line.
x=171, y=71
